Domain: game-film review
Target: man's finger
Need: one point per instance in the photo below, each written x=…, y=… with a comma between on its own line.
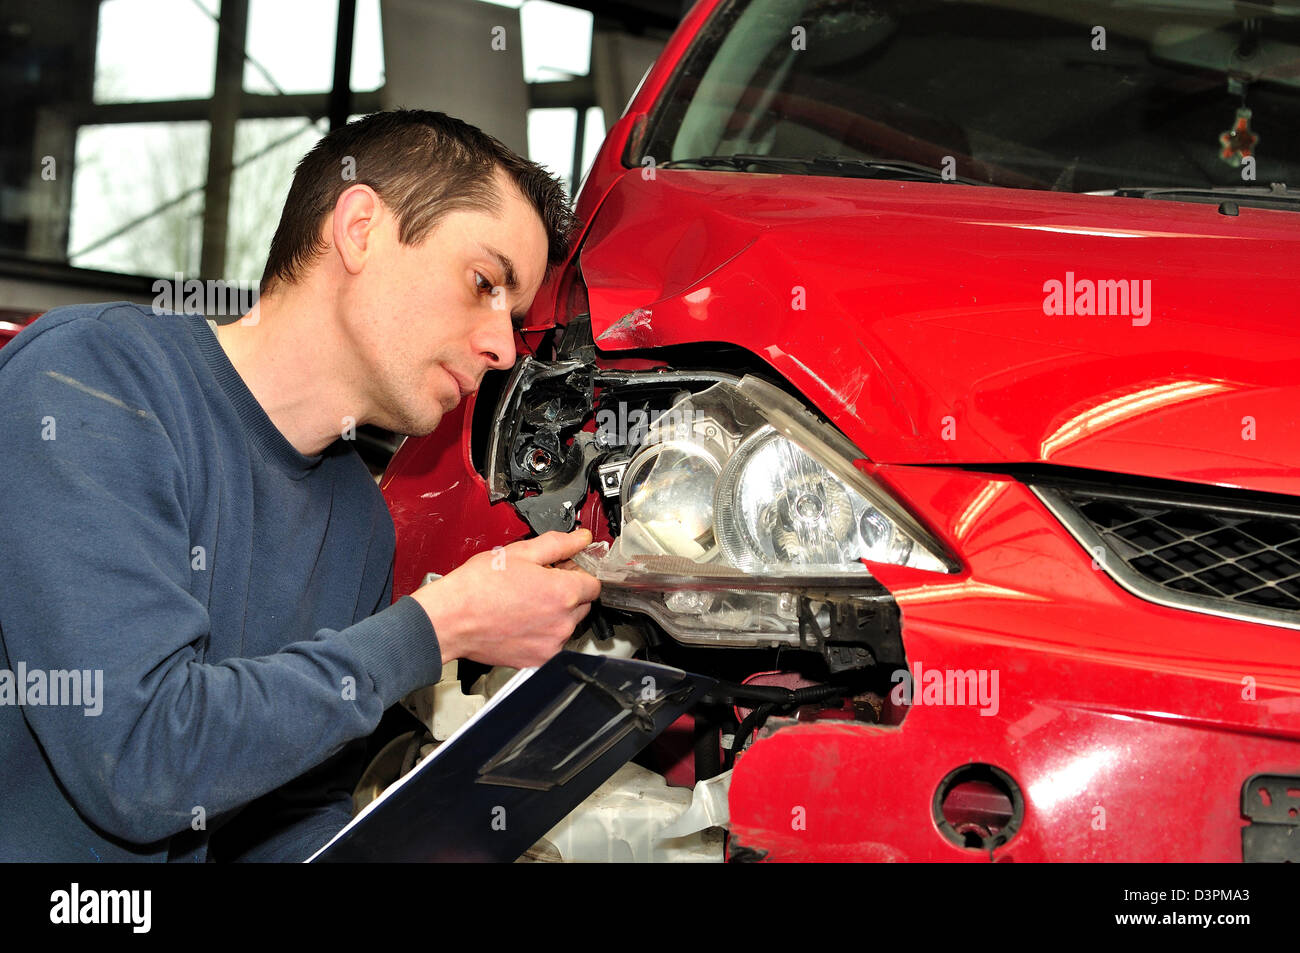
x=551, y=547
x=580, y=613
x=588, y=586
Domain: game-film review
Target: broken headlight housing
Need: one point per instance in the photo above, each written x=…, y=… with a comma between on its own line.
x=738, y=517
x=745, y=522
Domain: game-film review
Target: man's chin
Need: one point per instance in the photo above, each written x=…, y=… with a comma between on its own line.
x=421, y=426
x=423, y=429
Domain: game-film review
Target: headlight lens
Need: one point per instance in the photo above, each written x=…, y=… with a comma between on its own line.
x=742, y=476
x=779, y=509
x=668, y=501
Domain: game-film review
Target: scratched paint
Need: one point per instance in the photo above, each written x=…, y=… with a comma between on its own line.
x=633, y=328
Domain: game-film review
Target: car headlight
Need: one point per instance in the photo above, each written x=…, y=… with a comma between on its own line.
x=742, y=475
x=777, y=509
x=736, y=503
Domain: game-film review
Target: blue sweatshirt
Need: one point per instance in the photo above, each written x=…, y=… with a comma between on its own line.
x=230, y=597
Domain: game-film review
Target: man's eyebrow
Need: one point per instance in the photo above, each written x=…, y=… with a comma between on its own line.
x=517, y=318
x=507, y=266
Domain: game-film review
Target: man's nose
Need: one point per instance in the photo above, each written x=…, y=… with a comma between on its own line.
x=497, y=344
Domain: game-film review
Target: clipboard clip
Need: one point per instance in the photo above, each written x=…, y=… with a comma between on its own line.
x=641, y=709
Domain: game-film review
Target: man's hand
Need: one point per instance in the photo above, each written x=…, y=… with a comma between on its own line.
x=516, y=607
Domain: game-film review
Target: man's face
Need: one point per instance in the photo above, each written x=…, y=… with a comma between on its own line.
x=436, y=316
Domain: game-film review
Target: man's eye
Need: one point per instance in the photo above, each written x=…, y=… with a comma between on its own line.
x=486, y=287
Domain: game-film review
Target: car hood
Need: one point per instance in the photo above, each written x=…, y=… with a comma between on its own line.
x=944, y=323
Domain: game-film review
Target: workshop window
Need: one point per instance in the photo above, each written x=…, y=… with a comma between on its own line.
x=266, y=152
x=137, y=197
x=556, y=41
x=149, y=137
x=138, y=57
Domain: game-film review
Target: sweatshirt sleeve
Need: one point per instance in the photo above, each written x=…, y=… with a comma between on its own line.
x=94, y=536
x=294, y=821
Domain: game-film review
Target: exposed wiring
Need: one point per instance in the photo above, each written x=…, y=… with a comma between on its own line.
x=771, y=699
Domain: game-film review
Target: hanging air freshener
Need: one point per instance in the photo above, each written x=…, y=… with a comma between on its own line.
x=1239, y=141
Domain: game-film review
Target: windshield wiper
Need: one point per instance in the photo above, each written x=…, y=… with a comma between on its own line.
x=737, y=161
x=1274, y=195
x=889, y=168
x=851, y=165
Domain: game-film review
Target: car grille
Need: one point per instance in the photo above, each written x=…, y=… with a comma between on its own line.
x=1207, y=555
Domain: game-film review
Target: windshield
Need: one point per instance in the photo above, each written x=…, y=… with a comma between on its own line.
x=1040, y=94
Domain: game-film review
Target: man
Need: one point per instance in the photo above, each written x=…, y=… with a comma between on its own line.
x=195, y=618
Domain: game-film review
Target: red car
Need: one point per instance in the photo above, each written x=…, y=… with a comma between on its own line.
x=930, y=371
x=11, y=322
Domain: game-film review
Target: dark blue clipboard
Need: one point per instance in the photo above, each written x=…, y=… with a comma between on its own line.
x=494, y=789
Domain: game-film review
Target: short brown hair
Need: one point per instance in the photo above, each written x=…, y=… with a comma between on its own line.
x=423, y=165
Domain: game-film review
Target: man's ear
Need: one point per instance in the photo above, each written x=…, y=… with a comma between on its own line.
x=356, y=214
